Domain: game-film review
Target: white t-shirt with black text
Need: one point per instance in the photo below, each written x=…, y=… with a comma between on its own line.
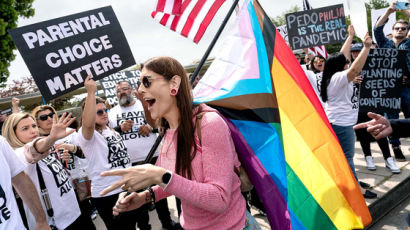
x=315, y=79
x=60, y=190
x=138, y=146
x=104, y=152
x=10, y=166
x=75, y=165
x=343, y=100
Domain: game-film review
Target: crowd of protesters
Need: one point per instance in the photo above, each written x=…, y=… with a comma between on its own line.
x=56, y=186
x=336, y=81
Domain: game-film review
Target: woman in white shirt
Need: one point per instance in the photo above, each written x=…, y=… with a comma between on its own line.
x=21, y=131
x=44, y=115
x=105, y=150
x=338, y=91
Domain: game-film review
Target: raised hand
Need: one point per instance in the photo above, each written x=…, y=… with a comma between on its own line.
x=351, y=30
x=90, y=85
x=59, y=129
x=367, y=40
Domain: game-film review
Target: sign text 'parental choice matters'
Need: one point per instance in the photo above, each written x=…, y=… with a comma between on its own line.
x=62, y=52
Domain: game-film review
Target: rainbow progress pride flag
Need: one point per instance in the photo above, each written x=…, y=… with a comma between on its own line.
x=280, y=130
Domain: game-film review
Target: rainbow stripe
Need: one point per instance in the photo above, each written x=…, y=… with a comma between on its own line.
x=280, y=130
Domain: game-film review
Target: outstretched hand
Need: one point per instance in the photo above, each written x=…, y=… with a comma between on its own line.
x=134, y=178
x=379, y=127
x=59, y=129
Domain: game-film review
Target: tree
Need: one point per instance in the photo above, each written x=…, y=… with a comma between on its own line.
x=281, y=20
x=10, y=10
x=19, y=87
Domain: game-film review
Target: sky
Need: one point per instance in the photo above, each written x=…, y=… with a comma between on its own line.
x=146, y=37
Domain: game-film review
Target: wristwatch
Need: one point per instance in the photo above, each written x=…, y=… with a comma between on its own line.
x=166, y=177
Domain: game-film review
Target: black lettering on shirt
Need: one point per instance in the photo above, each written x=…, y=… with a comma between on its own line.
x=5, y=212
x=60, y=175
x=117, y=152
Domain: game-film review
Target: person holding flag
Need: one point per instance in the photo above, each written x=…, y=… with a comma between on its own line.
x=189, y=165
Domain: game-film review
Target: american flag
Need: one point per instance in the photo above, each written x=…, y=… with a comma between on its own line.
x=169, y=6
x=317, y=50
x=194, y=19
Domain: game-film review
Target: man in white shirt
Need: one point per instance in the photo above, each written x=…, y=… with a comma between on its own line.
x=12, y=174
x=131, y=120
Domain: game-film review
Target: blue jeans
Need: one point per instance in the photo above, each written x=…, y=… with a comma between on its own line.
x=345, y=135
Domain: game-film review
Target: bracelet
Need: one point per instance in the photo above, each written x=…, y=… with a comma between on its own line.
x=152, y=194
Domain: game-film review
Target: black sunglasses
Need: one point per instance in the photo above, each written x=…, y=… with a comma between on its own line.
x=44, y=117
x=145, y=82
x=400, y=28
x=100, y=112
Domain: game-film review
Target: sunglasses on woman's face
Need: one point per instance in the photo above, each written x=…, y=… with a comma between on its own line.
x=147, y=81
x=44, y=117
x=101, y=112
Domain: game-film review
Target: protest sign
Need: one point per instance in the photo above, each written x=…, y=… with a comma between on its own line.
x=61, y=52
x=382, y=80
x=108, y=84
x=316, y=27
x=358, y=17
x=284, y=32
x=388, y=27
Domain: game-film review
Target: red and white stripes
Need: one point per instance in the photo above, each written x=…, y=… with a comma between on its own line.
x=319, y=50
x=169, y=6
x=195, y=17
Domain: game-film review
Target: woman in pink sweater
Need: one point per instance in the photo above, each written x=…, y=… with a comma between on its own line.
x=197, y=170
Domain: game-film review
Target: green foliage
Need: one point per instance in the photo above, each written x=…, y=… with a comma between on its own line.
x=281, y=20
x=10, y=10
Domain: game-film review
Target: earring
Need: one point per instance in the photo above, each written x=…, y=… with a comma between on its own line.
x=173, y=92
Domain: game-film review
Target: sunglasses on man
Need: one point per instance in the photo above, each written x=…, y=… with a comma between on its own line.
x=44, y=117
x=400, y=28
x=101, y=112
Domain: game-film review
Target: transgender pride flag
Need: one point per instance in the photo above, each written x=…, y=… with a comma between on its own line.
x=280, y=130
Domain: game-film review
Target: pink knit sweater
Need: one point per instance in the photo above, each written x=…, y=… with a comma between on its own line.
x=212, y=199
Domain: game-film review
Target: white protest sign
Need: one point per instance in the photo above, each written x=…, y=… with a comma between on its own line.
x=358, y=17
x=376, y=14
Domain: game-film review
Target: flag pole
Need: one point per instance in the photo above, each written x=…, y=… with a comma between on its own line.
x=211, y=46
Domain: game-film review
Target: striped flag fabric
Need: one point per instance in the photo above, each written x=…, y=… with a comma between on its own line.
x=194, y=19
x=317, y=50
x=172, y=7
x=280, y=130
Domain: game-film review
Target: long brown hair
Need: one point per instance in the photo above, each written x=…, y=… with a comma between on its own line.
x=169, y=67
